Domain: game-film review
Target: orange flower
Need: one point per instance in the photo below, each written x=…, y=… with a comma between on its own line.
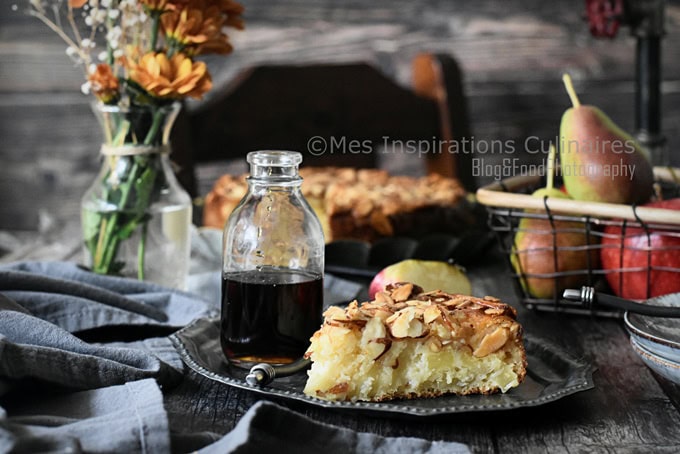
x=173, y=78
x=232, y=12
x=155, y=5
x=104, y=84
x=191, y=29
x=196, y=27
x=76, y=3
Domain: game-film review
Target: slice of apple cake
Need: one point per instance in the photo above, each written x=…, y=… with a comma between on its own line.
x=408, y=344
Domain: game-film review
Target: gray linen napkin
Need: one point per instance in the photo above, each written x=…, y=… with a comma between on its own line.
x=268, y=427
x=74, y=299
x=125, y=418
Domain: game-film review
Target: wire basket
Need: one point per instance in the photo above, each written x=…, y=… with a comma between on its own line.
x=601, y=228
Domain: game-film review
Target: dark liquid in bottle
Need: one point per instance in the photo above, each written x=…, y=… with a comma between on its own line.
x=269, y=316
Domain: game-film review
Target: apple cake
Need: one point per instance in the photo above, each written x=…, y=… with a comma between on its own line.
x=408, y=343
x=364, y=204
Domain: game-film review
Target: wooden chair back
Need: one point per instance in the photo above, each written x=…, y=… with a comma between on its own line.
x=350, y=109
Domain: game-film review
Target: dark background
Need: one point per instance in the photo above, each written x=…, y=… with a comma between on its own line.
x=512, y=53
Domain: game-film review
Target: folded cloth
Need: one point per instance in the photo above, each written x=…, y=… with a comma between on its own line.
x=75, y=299
x=126, y=418
x=33, y=348
x=44, y=302
x=268, y=427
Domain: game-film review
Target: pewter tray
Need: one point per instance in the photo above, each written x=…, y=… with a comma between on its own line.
x=552, y=374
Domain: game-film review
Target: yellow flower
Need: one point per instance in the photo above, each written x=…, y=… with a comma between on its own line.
x=104, y=84
x=174, y=78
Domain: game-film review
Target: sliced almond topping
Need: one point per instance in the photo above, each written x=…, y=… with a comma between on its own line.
x=382, y=314
x=383, y=297
x=407, y=323
x=431, y=314
x=402, y=292
x=491, y=342
x=494, y=311
x=334, y=312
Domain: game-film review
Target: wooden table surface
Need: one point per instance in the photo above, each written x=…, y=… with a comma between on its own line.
x=629, y=410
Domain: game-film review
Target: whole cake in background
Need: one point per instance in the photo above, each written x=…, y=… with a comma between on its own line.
x=408, y=343
x=364, y=204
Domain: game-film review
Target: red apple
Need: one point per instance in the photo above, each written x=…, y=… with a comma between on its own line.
x=427, y=274
x=634, y=251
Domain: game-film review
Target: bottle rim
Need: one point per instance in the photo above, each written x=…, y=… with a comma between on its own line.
x=274, y=158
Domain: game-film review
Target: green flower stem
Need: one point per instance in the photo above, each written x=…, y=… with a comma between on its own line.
x=148, y=140
x=155, y=25
x=134, y=192
x=110, y=244
x=140, y=252
x=155, y=126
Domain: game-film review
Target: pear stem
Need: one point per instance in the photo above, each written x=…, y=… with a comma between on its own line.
x=550, y=176
x=566, y=78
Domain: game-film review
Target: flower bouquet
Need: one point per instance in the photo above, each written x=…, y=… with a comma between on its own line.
x=140, y=60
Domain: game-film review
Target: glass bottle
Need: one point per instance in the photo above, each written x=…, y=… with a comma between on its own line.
x=135, y=216
x=273, y=261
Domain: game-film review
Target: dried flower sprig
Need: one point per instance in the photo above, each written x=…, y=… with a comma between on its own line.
x=139, y=58
x=120, y=39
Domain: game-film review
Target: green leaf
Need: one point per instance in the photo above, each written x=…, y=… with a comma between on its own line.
x=124, y=230
x=144, y=189
x=91, y=224
x=116, y=267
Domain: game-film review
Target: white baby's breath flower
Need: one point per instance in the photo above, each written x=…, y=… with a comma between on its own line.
x=114, y=33
x=105, y=3
x=87, y=44
x=102, y=55
x=114, y=14
x=89, y=21
x=73, y=54
x=118, y=53
x=100, y=17
x=85, y=88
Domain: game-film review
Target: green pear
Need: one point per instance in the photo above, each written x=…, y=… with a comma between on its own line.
x=600, y=162
x=534, y=256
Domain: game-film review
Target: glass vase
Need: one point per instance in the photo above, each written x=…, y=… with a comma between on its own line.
x=136, y=217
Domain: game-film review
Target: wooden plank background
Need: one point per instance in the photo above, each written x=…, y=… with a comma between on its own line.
x=512, y=53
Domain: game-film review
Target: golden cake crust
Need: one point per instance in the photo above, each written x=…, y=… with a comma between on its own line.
x=364, y=204
x=479, y=326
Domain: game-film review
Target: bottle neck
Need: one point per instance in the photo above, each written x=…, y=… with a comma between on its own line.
x=262, y=176
x=274, y=168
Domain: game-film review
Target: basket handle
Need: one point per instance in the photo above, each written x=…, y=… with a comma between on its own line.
x=501, y=194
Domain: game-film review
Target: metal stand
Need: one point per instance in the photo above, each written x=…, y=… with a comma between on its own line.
x=646, y=18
